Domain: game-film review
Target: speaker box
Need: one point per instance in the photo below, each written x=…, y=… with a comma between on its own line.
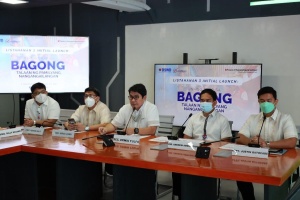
x=234, y=57
x=185, y=58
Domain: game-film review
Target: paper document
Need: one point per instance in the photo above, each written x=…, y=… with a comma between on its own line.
x=159, y=139
x=230, y=146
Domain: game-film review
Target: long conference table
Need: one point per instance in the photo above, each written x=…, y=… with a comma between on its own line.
x=46, y=167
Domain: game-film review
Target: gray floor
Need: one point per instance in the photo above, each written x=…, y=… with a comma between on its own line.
x=228, y=189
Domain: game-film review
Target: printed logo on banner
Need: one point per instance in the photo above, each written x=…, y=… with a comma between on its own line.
x=164, y=70
x=179, y=70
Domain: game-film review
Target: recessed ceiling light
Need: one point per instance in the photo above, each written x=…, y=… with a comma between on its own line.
x=13, y=1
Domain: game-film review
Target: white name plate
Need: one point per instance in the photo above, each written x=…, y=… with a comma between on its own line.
x=128, y=139
x=63, y=133
x=33, y=130
x=250, y=152
x=177, y=153
x=181, y=144
x=11, y=132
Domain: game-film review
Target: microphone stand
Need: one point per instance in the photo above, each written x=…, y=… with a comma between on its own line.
x=258, y=145
x=181, y=129
x=124, y=132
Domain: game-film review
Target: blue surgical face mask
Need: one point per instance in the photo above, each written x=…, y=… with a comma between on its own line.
x=267, y=107
x=206, y=106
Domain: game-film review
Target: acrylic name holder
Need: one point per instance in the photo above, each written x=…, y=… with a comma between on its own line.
x=183, y=144
x=250, y=152
x=63, y=133
x=10, y=132
x=128, y=139
x=33, y=130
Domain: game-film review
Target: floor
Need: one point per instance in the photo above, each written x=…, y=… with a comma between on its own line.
x=228, y=189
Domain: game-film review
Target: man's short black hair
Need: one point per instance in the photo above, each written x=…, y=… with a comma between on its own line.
x=140, y=88
x=92, y=89
x=37, y=86
x=211, y=92
x=266, y=90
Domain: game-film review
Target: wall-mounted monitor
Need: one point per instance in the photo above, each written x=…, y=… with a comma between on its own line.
x=60, y=62
x=178, y=88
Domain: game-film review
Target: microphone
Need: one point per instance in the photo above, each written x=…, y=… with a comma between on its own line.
x=181, y=129
x=11, y=125
x=124, y=132
x=258, y=145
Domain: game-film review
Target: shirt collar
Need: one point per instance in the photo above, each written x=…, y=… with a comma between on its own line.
x=210, y=115
x=273, y=116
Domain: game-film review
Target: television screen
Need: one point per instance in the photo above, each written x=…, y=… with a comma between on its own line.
x=60, y=62
x=178, y=88
x=268, y=2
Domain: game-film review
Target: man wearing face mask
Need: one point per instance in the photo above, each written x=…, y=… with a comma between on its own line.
x=209, y=124
x=92, y=115
x=41, y=109
x=277, y=131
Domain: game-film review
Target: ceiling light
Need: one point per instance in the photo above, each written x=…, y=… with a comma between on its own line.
x=13, y=1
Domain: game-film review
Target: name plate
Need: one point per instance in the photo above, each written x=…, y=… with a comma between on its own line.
x=63, y=133
x=11, y=132
x=248, y=161
x=182, y=144
x=250, y=152
x=127, y=139
x=176, y=153
x=33, y=130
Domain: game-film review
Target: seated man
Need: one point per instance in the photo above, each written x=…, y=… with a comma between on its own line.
x=208, y=125
x=139, y=117
x=276, y=130
x=41, y=109
x=92, y=115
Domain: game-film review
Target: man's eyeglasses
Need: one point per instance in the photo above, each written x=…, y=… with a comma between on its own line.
x=41, y=92
x=133, y=97
x=89, y=95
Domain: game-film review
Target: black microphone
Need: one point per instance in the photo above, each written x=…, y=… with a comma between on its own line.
x=258, y=145
x=11, y=125
x=124, y=132
x=181, y=129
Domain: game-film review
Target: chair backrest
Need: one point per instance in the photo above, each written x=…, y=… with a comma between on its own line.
x=65, y=114
x=113, y=114
x=166, y=125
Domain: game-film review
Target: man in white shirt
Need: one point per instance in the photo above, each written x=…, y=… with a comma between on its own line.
x=208, y=125
x=139, y=117
x=270, y=129
x=92, y=115
x=41, y=109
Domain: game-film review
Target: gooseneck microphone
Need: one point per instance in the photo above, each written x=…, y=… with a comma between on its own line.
x=181, y=129
x=124, y=132
x=258, y=145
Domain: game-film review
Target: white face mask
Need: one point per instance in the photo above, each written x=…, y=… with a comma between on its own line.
x=41, y=98
x=89, y=102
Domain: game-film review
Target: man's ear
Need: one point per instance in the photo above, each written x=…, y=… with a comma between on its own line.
x=276, y=102
x=214, y=103
x=145, y=97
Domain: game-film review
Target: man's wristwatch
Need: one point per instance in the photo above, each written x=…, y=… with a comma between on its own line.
x=87, y=128
x=34, y=122
x=268, y=144
x=136, y=131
